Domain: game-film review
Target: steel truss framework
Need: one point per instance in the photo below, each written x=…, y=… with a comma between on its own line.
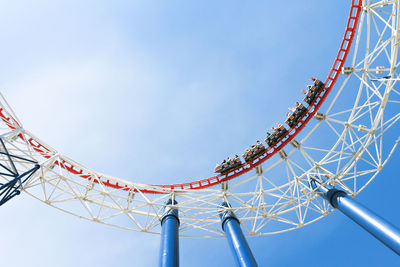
x=358, y=121
x=8, y=168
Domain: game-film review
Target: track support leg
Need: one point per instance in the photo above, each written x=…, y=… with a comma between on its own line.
x=13, y=186
x=231, y=226
x=381, y=229
x=169, y=250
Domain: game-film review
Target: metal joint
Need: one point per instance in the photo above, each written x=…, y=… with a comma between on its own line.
x=224, y=185
x=347, y=70
x=170, y=210
x=282, y=154
x=259, y=169
x=226, y=213
x=319, y=116
x=294, y=143
x=332, y=196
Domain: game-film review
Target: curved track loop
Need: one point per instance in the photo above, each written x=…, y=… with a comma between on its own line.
x=359, y=122
x=245, y=167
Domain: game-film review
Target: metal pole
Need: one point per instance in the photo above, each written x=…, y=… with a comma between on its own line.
x=231, y=226
x=381, y=229
x=169, y=250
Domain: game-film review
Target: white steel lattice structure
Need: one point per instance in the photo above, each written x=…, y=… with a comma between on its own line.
x=358, y=120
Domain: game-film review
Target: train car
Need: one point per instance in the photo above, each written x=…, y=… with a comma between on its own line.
x=273, y=138
x=256, y=150
x=296, y=115
x=313, y=91
x=226, y=166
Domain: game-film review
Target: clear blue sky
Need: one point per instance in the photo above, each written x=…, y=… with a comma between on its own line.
x=158, y=92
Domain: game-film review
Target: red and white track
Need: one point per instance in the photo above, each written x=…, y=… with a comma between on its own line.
x=247, y=166
x=358, y=140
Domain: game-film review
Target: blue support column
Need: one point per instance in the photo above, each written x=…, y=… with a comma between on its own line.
x=169, y=250
x=381, y=229
x=231, y=226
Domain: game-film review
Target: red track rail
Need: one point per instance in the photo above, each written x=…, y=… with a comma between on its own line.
x=247, y=166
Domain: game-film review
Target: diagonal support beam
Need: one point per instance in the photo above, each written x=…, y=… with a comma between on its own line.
x=381, y=229
x=231, y=226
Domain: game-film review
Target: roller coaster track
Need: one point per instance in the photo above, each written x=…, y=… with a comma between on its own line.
x=76, y=169
x=359, y=120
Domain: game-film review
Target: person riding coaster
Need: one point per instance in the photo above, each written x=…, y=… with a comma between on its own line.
x=313, y=90
x=255, y=150
x=295, y=116
x=228, y=165
x=273, y=138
